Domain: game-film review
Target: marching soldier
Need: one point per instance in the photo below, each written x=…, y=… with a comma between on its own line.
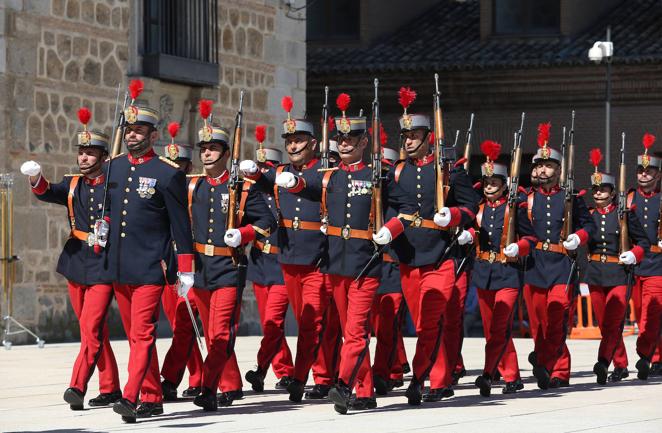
x=496, y=273
x=302, y=250
x=270, y=291
x=648, y=206
x=148, y=207
x=606, y=274
x=183, y=352
x=218, y=282
x=550, y=267
x=426, y=265
x=81, y=263
x=346, y=196
x=534, y=323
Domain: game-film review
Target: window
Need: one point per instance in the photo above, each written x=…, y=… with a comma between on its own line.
x=181, y=41
x=526, y=17
x=337, y=20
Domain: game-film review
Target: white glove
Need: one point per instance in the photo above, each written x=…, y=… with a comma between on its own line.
x=443, y=217
x=465, y=238
x=232, y=238
x=248, y=167
x=572, y=242
x=659, y=244
x=383, y=236
x=185, y=283
x=628, y=258
x=511, y=250
x=286, y=180
x=31, y=168
x=101, y=229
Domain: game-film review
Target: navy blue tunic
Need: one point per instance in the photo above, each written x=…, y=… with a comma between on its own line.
x=648, y=211
x=263, y=267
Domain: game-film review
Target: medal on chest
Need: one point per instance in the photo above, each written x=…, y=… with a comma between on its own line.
x=359, y=187
x=146, y=187
x=225, y=199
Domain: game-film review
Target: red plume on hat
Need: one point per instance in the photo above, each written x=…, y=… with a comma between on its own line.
x=84, y=116
x=260, y=133
x=287, y=105
x=204, y=108
x=135, y=89
x=648, y=141
x=595, y=157
x=543, y=133
x=405, y=97
x=173, y=130
x=491, y=149
x=342, y=102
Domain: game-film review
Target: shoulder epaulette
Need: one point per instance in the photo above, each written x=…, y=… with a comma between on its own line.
x=328, y=169
x=169, y=162
x=72, y=175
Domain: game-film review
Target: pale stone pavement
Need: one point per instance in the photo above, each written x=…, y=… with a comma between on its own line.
x=33, y=381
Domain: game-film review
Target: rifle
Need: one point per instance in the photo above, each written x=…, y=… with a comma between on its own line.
x=515, y=162
x=569, y=186
x=624, y=235
x=235, y=184
x=467, y=146
x=324, y=145
x=378, y=214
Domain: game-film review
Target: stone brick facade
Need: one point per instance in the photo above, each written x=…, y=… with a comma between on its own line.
x=58, y=55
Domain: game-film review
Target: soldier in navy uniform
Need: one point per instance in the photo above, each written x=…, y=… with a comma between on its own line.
x=81, y=263
x=647, y=201
x=607, y=275
x=270, y=290
x=427, y=270
x=183, y=352
x=346, y=196
x=549, y=266
x=147, y=199
x=302, y=250
x=388, y=311
x=218, y=279
x=496, y=272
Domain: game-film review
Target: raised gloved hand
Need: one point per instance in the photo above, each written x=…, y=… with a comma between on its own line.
x=572, y=242
x=511, y=250
x=185, y=283
x=383, y=236
x=248, y=167
x=286, y=180
x=232, y=238
x=31, y=168
x=628, y=258
x=101, y=229
x=443, y=217
x=465, y=238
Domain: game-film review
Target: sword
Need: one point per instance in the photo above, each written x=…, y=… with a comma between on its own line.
x=377, y=253
x=195, y=324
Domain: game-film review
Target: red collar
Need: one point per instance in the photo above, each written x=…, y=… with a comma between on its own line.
x=497, y=203
x=215, y=181
x=553, y=191
x=352, y=167
x=646, y=195
x=96, y=181
x=306, y=165
x=604, y=211
x=143, y=159
x=427, y=159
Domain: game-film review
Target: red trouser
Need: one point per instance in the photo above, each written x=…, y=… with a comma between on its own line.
x=552, y=306
x=534, y=323
x=354, y=301
x=609, y=306
x=651, y=316
x=453, y=336
x=220, y=323
x=139, y=309
x=402, y=353
x=90, y=303
x=636, y=300
x=272, y=305
x=497, y=309
x=388, y=314
x=428, y=292
x=325, y=367
x=308, y=297
x=184, y=351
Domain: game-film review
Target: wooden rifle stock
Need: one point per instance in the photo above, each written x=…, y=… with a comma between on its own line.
x=441, y=173
x=624, y=235
x=378, y=213
x=234, y=182
x=324, y=145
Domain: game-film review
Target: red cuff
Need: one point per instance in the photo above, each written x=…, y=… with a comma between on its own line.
x=472, y=231
x=583, y=236
x=247, y=234
x=185, y=263
x=41, y=186
x=301, y=184
x=460, y=162
x=255, y=176
x=638, y=253
x=456, y=216
x=395, y=226
x=524, y=247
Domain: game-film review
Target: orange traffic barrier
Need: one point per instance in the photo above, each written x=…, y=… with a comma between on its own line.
x=587, y=328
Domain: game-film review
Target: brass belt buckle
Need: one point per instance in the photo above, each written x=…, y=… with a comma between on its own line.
x=603, y=258
x=492, y=257
x=418, y=221
x=295, y=223
x=545, y=246
x=90, y=239
x=346, y=232
x=209, y=250
x=266, y=248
